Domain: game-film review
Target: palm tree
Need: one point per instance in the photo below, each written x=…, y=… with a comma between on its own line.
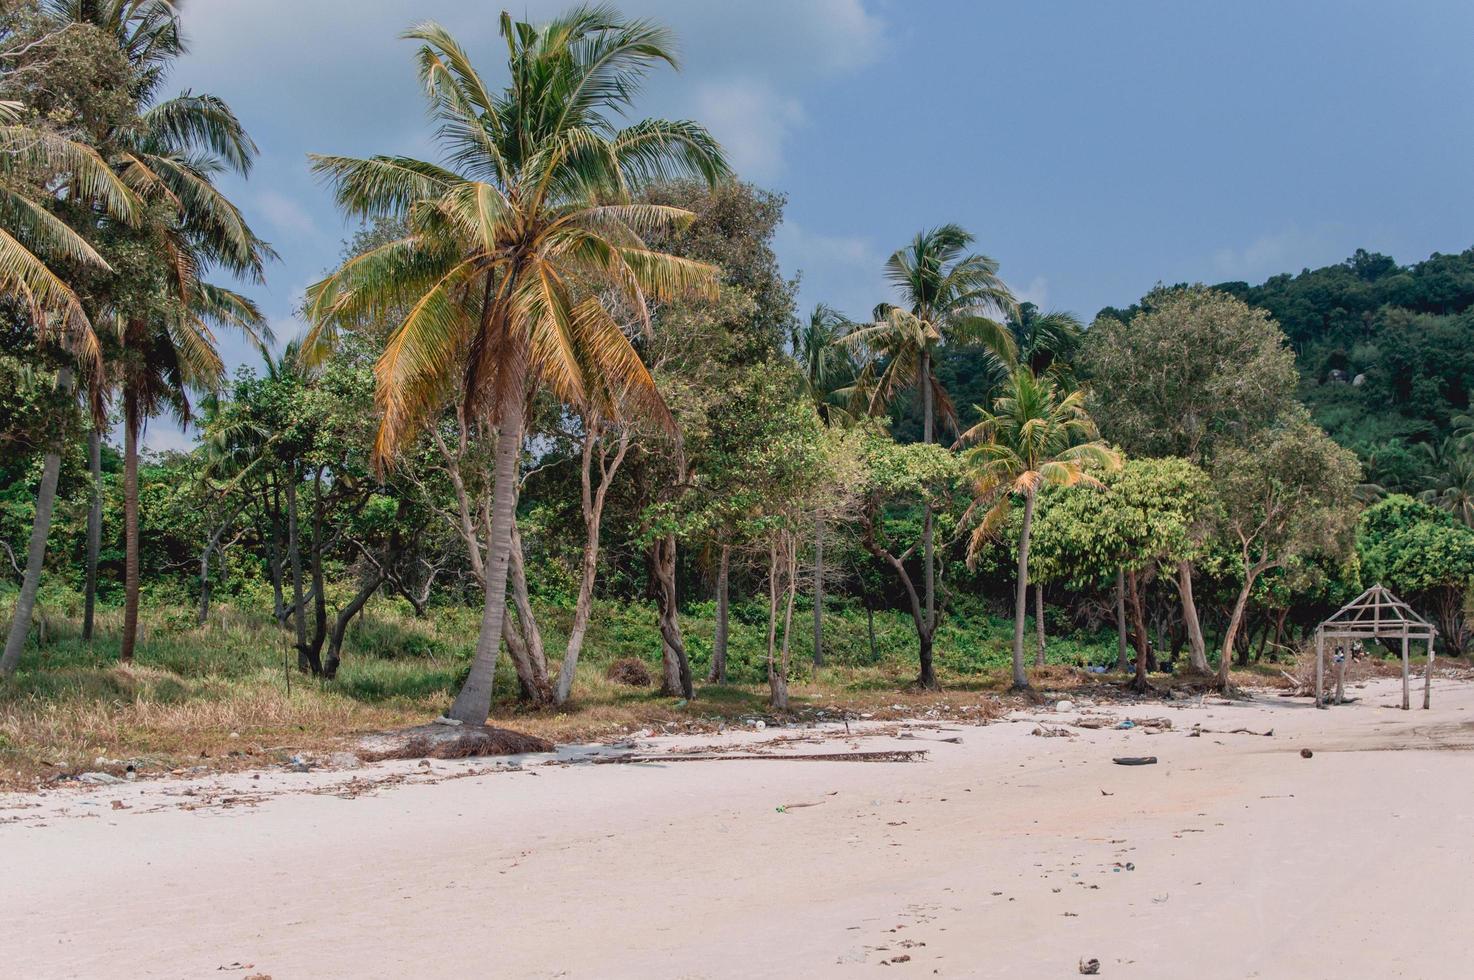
x=828, y=368
x=158, y=309
x=531, y=213
x=1045, y=341
x=1453, y=490
x=947, y=297
x=39, y=168
x=1035, y=435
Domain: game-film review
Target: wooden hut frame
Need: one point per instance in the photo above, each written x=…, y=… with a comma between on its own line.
x=1376, y=614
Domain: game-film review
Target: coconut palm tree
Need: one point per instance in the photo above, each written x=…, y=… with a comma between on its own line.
x=1453, y=463
x=1035, y=435
x=38, y=168
x=1045, y=341
x=828, y=369
x=948, y=297
x=514, y=241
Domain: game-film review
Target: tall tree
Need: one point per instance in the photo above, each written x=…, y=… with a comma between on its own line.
x=1035, y=435
x=947, y=296
x=534, y=199
x=1191, y=369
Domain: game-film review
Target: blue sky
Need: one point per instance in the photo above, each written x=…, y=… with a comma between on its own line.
x=1093, y=148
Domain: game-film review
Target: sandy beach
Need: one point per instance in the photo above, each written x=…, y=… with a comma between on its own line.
x=1002, y=854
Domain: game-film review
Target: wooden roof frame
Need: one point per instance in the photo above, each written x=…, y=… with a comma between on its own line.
x=1376, y=614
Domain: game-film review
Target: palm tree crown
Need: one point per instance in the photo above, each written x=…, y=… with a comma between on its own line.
x=508, y=238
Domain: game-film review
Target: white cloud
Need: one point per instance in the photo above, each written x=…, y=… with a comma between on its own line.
x=285, y=214
x=849, y=267
x=1036, y=292
x=752, y=119
x=1290, y=249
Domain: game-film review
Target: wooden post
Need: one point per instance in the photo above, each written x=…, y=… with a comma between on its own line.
x=1341, y=673
x=1428, y=678
x=1406, y=699
x=1320, y=656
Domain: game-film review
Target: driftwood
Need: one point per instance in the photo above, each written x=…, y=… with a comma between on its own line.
x=889, y=755
x=447, y=742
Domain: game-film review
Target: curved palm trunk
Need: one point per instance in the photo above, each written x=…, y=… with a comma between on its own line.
x=928, y=531
x=25, y=603
x=131, y=425
x=473, y=703
x=94, y=532
x=818, y=589
x=718, y=674
x=1021, y=596
x=1197, y=649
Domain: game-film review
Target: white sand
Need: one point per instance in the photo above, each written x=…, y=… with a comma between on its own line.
x=995, y=858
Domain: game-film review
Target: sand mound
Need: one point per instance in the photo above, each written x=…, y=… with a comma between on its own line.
x=447, y=742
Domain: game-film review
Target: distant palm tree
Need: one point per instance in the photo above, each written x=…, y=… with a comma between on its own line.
x=947, y=296
x=1035, y=435
x=828, y=367
x=508, y=242
x=1046, y=341
x=1453, y=489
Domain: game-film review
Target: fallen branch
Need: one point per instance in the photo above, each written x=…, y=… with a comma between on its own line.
x=893, y=755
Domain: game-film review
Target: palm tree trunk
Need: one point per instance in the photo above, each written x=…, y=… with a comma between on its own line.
x=1021, y=597
x=818, y=589
x=473, y=704
x=718, y=674
x=131, y=426
x=294, y=552
x=1197, y=650
x=25, y=603
x=929, y=585
x=94, y=532
x=1122, y=664
x=1039, y=623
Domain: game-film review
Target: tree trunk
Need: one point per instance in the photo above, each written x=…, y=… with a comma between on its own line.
x=675, y=668
x=473, y=704
x=25, y=603
x=929, y=576
x=1039, y=623
x=718, y=674
x=818, y=589
x=870, y=628
x=1230, y=635
x=536, y=687
x=1197, y=651
x=294, y=555
x=1122, y=664
x=94, y=532
x=204, y=616
x=1021, y=596
x=273, y=543
x=319, y=586
x=1139, y=683
x=131, y=426
x=778, y=695
x=371, y=582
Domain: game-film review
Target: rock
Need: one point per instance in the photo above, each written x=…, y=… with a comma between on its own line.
x=344, y=760
x=1065, y=706
x=99, y=778
x=443, y=720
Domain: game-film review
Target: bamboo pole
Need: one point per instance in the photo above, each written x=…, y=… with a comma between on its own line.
x=1406, y=699
x=1320, y=656
x=1428, y=678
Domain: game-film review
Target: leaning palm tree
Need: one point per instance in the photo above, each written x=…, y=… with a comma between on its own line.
x=514, y=242
x=948, y=297
x=1034, y=435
